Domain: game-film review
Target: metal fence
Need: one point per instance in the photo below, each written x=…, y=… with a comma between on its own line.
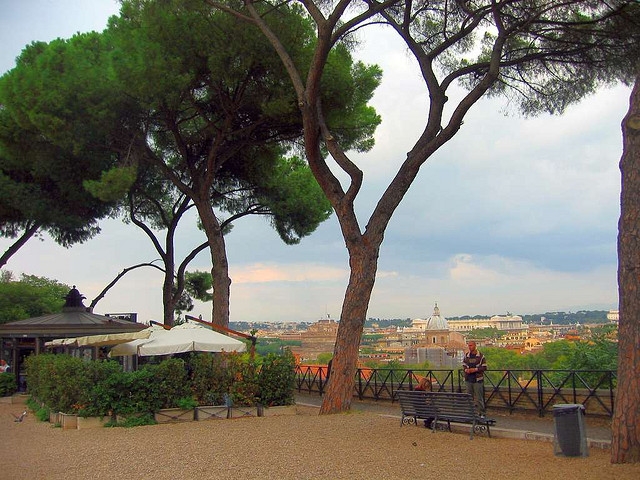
x=511, y=390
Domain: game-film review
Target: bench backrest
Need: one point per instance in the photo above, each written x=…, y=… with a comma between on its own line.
x=415, y=403
x=451, y=405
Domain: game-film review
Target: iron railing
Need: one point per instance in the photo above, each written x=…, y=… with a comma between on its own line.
x=511, y=390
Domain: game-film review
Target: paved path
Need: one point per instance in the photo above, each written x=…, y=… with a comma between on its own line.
x=517, y=425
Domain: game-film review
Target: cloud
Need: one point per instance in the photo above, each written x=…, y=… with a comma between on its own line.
x=266, y=273
x=464, y=270
x=487, y=285
x=296, y=272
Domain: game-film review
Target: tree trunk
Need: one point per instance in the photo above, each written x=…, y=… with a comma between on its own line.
x=220, y=270
x=625, y=443
x=29, y=232
x=364, y=264
x=168, y=295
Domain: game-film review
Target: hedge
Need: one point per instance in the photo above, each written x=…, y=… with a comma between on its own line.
x=98, y=388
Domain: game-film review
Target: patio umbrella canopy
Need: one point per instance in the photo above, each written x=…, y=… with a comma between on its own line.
x=188, y=337
x=101, y=340
x=131, y=347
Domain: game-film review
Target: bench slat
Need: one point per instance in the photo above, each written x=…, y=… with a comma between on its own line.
x=441, y=407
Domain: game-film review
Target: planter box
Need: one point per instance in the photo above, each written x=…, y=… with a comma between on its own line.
x=15, y=399
x=92, y=422
x=241, y=412
x=279, y=410
x=54, y=417
x=212, y=412
x=174, y=415
x=69, y=421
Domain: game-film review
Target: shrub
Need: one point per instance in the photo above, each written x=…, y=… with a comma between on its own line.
x=99, y=388
x=277, y=379
x=209, y=381
x=133, y=421
x=213, y=375
x=169, y=382
x=8, y=385
x=59, y=381
x=187, y=403
x=132, y=393
x=244, y=389
x=99, y=399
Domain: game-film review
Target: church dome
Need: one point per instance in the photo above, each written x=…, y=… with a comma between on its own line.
x=436, y=321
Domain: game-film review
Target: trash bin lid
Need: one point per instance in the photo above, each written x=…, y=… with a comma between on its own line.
x=564, y=408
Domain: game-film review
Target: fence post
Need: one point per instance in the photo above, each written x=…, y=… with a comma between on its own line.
x=540, y=393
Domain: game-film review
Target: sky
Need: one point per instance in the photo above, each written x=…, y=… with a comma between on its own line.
x=513, y=215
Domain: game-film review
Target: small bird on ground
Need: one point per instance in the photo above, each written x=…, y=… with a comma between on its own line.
x=17, y=418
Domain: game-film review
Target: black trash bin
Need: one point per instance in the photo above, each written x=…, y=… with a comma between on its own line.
x=570, y=438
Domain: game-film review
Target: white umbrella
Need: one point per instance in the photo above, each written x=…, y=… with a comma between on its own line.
x=189, y=337
x=60, y=342
x=131, y=347
x=101, y=340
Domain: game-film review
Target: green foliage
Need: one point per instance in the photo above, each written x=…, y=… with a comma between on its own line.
x=371, y=338
x=134, y=421
x=29, y=297
x=210, y=378
x=8, y=385
x=568, y=318
x=323, y=358
x=265, y=346
x=293, y=196
x=386, y=323
x=244, y=390
x=198, y=284
x=169, y=382
x=133, y=393
x=187, y=403
x=97, y=388
x=277, y=380
x=113, y=183
x=98, y=399
x=48, y=117
x=481, y=333
x=601, y=354
x=57, y=380
x=43, y=414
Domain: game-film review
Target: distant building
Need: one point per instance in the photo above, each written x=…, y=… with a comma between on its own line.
x=613, y=316
x=432, y=341
x=509, y=323
x=438, y=357
x=320, y=337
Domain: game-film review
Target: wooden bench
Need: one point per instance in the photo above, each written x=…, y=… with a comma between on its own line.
x=438, y=407
x=414, y=406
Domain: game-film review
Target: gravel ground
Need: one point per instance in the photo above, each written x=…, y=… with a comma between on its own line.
x=359, y=445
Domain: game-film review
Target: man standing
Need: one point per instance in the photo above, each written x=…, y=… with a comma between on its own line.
x=474, y=365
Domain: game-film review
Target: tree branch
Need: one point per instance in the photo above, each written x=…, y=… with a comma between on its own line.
x=118, y=277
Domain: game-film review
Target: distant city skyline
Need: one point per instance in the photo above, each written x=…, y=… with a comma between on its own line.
x=513, y=214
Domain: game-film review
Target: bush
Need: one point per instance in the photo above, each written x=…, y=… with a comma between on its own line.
x=59, y=381
x=136, y=421
x=244, y=389
x=187, y=403
x=99, y=399
x=131, y=393
x=277, y=380
x=213, y=378
x=99, y=388
x=169, y=382
x=8, y=385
